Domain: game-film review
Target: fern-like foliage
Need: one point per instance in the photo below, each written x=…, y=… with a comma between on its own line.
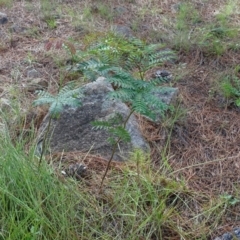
x=117, y=59
x=115, y=127
x=67, y=96
x=129, y=54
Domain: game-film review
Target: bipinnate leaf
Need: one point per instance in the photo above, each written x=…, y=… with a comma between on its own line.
x=121, y=133
x=101, y=125
x=65, y=97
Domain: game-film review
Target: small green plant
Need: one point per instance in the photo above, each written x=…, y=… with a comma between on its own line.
x=215, y=39
x=67, y=96
x=51, y=23
x=123, y=63
x=48, y=10
x=5, y=3
x=105, y=11
x=212, y=38
x=130, y=55
x=187, y=15
x=231, y=88
x=229, y=199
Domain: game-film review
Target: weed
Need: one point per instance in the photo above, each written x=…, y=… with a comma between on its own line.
x=47, y=9
x=224, y=16
x=51, y=23
x=231, y=88
x=87, y=13
x=229, y=199
x=105, y=12
x=124, y=63
x=33, y=203
x=187, y=29
x=5, y=3
x=33, y=32
x=187, y=15
x=211, y=38
x=30, y=59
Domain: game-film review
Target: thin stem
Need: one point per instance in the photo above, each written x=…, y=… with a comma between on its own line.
x=44, y=142
x=141, y=73
x=114, y=150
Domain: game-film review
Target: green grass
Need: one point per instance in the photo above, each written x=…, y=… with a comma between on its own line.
x=5, y=3
x=34, y=203
x=210, y=36
x=139, y=202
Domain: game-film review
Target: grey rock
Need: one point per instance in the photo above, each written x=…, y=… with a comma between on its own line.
x=236, y=231
x=176, y=7
x=73, y=130
x=3, y=18
x=162, y=74
x=227, y=236
x=33, y=73
x=119, y=10
x=17, y=28
x=81, y=29
x=76, y=171
x=36, y=84
x=123, y=31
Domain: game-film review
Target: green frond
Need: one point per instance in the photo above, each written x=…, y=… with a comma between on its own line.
x=120, y=82
x=67, y=92
x=91, y=64
x=161, y=54
x=137, y=43
x=159, y=80
x=55, y=109
x=151, y=48
x=116, y=71
x=109, y=51
x=139, y=105
x=116, y=119
x=66, y=97
x=133, y=60
x=125, y=95
x=112, y=140
x=155, y=104
x=121, y=132
x=42, y=93
x=45, y=99
x=90, y=75
x=140, y=85
x=71, y=102
x=159, y=57
x=125, y=76
x=101, y=125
